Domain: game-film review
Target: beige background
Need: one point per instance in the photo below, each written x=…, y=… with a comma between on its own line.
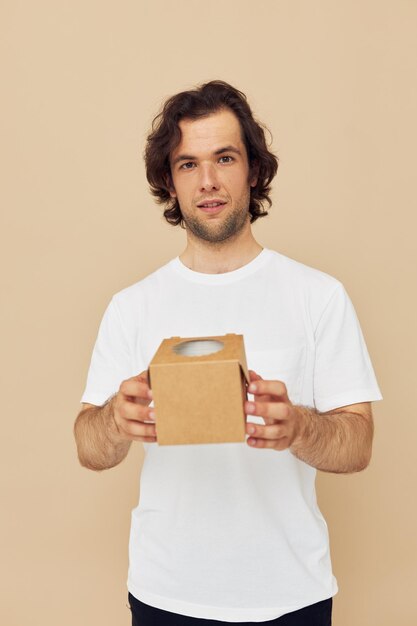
x=81, y=81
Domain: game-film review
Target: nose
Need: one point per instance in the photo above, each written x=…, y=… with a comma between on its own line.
x=208, y=177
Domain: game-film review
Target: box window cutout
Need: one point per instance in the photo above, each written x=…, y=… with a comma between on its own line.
x=198, y=348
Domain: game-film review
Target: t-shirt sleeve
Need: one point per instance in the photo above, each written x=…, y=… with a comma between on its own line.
x=343, y=372
x=111, y=361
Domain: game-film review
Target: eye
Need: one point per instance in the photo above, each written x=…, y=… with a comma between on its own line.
x=226, y=159
x=187, y=166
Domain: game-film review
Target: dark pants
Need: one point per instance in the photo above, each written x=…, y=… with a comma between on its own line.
x=319, y=614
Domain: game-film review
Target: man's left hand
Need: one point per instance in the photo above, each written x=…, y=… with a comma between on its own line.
x=284, y=422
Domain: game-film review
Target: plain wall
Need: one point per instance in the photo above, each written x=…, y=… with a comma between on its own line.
x=81, y=82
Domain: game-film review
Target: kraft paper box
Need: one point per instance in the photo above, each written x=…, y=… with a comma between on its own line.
x=199, y=387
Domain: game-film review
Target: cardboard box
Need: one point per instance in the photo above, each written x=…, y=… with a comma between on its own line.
x=199, y=387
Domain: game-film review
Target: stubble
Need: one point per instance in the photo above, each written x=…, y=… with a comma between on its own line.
x=219, y=229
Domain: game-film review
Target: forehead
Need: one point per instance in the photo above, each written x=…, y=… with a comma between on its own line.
x=207, y=134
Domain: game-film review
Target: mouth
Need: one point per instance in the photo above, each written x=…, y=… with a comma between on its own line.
x=211, y=206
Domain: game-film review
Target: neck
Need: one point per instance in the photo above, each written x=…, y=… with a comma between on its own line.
x=218, y=258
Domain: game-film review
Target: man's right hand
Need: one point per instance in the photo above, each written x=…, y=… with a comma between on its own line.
x=134, y=419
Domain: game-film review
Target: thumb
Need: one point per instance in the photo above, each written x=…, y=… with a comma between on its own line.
x=142, y=376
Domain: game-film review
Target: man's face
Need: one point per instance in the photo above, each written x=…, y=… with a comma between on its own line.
x=210, y=176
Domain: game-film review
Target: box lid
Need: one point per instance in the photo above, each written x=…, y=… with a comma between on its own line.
x=191, y=350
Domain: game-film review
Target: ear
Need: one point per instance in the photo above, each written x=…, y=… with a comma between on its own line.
x=170, y=186
x=254, y=174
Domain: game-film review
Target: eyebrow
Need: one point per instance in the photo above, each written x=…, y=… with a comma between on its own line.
x=227, y=149
x=189, y=157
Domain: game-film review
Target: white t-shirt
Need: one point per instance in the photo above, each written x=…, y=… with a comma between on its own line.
x=225, y=531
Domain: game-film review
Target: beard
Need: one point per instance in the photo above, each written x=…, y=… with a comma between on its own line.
x=219, y=230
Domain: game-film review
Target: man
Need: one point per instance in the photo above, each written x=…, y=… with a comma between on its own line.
x=230, y=533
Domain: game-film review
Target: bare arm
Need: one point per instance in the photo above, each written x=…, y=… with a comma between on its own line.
x=337, y=441
x=104, y=433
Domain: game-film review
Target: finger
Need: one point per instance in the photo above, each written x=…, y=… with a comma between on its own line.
x=145, y=439
x=273, y=444
x=136, y=412
x=272, y=432
x=135, y=383
x=254, y=376
x=264, y=397
x=271, y=387
x=143, y=376
x=268, y=410
x=135, y=429
x=135, y=389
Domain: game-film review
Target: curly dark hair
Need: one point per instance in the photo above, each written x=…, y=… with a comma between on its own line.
x=166, y=136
